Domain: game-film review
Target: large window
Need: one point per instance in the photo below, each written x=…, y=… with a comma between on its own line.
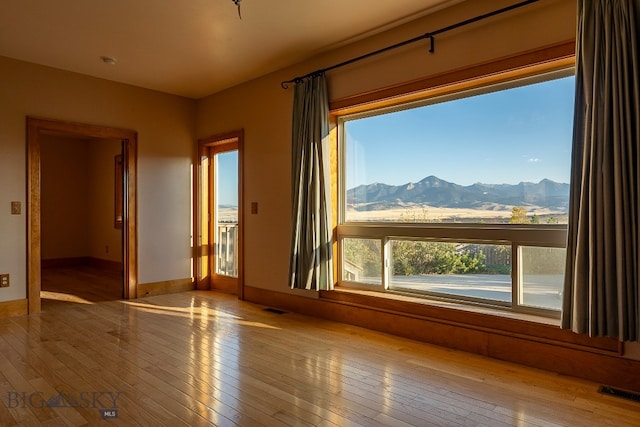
x=462, y=196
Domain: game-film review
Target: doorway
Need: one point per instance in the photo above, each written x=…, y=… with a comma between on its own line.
x=124, y=216
x=219, y=213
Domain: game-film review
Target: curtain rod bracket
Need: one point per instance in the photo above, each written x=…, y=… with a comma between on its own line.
x=432, y=43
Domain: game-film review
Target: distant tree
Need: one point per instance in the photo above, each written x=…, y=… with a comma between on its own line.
x=519, y=215
x=552, y=220
x=414, y=258
x=535, y=219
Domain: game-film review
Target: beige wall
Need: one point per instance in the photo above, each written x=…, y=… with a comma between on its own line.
x=64, y=216
x=105, y=240
x=533, y=26
x=263, y=109
x=165, y=126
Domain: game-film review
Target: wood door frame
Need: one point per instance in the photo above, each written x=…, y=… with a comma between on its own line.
x=35, y=128
x=204, y=145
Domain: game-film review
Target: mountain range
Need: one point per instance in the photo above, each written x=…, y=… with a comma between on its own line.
x=436, y=192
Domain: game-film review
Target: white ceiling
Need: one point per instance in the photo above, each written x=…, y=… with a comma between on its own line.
x=191, y=48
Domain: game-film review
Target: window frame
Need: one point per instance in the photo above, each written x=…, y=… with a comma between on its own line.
x=516, y=235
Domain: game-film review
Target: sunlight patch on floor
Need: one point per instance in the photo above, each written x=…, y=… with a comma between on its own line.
x=202, y=312
x=59, y=296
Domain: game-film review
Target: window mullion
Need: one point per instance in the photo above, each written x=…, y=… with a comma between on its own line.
x=516, y=275
x=386, y=262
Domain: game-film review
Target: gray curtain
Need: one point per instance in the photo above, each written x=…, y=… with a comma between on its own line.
x=601, y=295
x=311, y=264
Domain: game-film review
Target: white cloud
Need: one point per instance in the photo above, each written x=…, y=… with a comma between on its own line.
x=534, y=160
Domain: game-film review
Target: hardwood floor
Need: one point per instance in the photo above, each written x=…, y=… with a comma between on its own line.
x=203, y=358
x=82, y=283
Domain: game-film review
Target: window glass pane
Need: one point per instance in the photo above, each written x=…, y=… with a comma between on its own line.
x=467, y=270
x=542, y=276
x=492, y=157
x=362, y=261
x=226, y=212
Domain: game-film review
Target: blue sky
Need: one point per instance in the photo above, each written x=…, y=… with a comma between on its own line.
x=505, y=137
x=227, y=178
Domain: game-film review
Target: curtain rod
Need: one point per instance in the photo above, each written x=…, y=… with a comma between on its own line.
x=429, y=35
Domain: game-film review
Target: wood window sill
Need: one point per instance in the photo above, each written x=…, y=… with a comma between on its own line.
x=488, y=319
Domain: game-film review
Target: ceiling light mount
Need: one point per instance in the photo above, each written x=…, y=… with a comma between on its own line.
x=237, y=3
x=109, y=60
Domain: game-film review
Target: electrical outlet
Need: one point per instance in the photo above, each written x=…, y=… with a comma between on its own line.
x=15, y=208
x=4, y=280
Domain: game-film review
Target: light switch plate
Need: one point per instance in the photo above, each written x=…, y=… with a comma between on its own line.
x=16, y=208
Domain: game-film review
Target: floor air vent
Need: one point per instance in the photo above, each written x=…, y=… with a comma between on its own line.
x=275, y=311
x=611, y=391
